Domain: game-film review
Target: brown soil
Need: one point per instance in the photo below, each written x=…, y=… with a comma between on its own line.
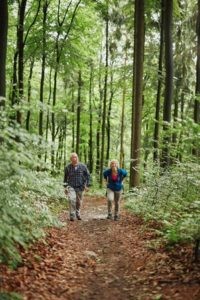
x=96, y=259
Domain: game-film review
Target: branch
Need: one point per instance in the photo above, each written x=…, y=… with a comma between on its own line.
x=34, y=20
x=60, y=23
x=70, y=26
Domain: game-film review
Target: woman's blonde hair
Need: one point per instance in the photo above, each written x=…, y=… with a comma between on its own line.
x=115, y=161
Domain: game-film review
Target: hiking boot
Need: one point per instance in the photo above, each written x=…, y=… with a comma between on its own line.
x=78, y=217
x=72, y=217
x=116, y=218
x=109, y=217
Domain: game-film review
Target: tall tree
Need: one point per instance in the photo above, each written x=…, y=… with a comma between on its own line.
x=124, y=90
x=168, y=22
x=158, y=97
x=29, y=93
x=90, y=154
x=44, y=50
x=3, y=49
x=78, y=113
x=99, y=112
x=196, y=151
x=59, y=46
x=21, y=42
x=20, y=47
x=104, y=96
x=48, y=113
x=18, y=62
x=108, y=127
x=137, y=93
x=73, y=118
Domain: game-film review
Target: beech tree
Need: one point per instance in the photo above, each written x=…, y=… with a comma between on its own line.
x=104, y=112
x=137, y=94
x=159, y=87
x=168, y=97
x=3, y=49
x=196, y=150
x=49, y=54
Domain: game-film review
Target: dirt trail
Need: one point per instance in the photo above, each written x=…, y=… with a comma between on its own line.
x=96, y=259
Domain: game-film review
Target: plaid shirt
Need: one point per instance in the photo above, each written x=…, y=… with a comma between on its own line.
x=76, y=176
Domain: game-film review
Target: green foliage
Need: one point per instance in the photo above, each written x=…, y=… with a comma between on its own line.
x=10, y=296
x=172, y=199
x=26, y=195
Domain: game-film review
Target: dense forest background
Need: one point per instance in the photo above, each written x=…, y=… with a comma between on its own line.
x=106, y=79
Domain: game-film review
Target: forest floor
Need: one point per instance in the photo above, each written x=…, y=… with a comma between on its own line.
x=96, y=259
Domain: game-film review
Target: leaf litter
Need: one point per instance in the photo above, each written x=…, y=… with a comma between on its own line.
x=96, y=258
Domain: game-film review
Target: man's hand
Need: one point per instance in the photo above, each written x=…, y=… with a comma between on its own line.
x=86, y=188
x=66, y=191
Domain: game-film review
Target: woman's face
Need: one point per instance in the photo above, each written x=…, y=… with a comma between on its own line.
x=113, y=165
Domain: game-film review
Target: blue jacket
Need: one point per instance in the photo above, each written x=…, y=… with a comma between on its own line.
x=115, y=185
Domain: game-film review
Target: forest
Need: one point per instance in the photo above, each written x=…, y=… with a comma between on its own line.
x=105, y=79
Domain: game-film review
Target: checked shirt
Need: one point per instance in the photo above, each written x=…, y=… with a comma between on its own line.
x=76, y=176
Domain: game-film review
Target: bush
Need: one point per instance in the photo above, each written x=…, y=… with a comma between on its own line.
x=27, y=197
x=173, y=200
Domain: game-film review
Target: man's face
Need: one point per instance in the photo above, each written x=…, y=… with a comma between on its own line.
x=74, y=159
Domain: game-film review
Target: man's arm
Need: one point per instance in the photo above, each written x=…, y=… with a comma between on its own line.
x=87, y=177
x=65, y=183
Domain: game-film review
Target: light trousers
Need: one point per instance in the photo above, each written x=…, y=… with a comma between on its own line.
x=75, y=202
x=113, y=196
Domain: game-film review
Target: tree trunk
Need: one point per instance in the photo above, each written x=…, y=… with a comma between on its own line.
x=104, y=104
x=58, y=49
x=65, y=142
x=73, y=122
x=157, y=113
x=122, y=114
x=53, y=125
x=196, y=150
x=20, y=47
x=14, y=80
x=137, y=94
x=99, y=119
x=108, y=117
x=40, y=125
x=21, y=41
x=3, y=50
x=78, y=114
x=59, y=153
x=90, y=154
x=180, y=76
x=29, y=94
x=48, y=115
x=168, y=22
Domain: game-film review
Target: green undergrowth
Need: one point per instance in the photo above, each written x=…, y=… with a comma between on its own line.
x=29, y=203
x=172, y=200
x=10, y=296
x=30, y=200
